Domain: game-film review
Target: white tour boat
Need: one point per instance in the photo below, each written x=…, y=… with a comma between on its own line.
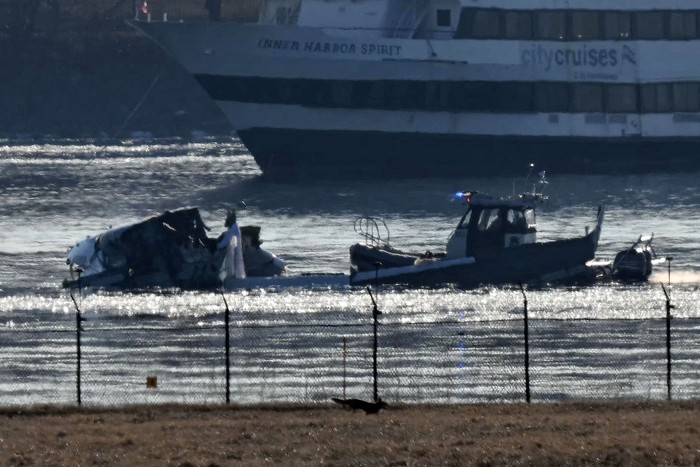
x=419, y=87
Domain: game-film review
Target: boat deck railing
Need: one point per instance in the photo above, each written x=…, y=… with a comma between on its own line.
x=373, y=229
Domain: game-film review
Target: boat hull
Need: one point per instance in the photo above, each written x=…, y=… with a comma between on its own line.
x=284, y=153
x=535, y=264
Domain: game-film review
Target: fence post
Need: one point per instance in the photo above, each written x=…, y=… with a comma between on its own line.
x=527, y=344
x=375, y=314
x=78, y=328
x=227, y=343
x=345, y=362
x=669, y=307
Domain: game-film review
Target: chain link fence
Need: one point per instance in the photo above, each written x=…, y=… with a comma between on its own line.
x=275, y=357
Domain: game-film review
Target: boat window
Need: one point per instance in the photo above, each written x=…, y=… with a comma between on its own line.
x=621, y=98
x=587, y=97
x=444, y=88
x=396, y=94
x=566, y=24
x=552, y=97
x=617, y=25
x=530, y=217
x=377, y=93
x=515, y=96
x=659, y=97
x=647, y=97
x=663, y=98
x=486, y=24
x=551, y=25
x=693, y=100
x=464, y=25
x=323, y=92
x=685, y=97
x=464, y=95
x=464, y=223
x=489, y=220
x=518, y=25
x=415, y=93
x=342, y=93
x=281, y=15
x=649, y=24
x=432, y=95
x=285, y=91
x=444, y=18
x=485, y=96
x=585, y=25
x=515, y=221
x=682, y=25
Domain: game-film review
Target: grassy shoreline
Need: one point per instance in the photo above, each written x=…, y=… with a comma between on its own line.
x=582, y=433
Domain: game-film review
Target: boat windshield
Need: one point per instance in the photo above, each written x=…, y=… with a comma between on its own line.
x=489, y=220
x=515, y=221
x=530, y=217
x=464, y=223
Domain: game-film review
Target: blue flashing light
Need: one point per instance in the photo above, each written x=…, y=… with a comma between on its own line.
x=465, y=196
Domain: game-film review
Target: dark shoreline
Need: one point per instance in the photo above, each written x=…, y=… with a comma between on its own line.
x=87, y=84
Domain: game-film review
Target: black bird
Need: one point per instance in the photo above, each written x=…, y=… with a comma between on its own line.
x=368, y=407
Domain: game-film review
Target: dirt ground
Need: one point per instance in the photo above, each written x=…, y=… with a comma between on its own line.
x=516, y=434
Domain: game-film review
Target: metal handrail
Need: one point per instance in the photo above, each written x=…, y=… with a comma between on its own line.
x=373, y=229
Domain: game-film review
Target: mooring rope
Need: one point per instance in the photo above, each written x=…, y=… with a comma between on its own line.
x=132, y=113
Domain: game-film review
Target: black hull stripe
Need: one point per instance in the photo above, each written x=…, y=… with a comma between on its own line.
x=456, y=96
x=347, y=154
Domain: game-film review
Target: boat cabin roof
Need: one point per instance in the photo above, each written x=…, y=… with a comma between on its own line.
x=450, y=19
x=521, y=202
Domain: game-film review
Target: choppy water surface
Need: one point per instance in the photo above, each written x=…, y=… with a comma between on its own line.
x=54, y=194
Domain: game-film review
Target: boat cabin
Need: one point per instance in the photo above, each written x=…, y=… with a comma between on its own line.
x=545, y=20
x=427, y=19
x=491, y=224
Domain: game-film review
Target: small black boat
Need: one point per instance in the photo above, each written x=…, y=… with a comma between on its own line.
x=636, y=262
x=495, y=242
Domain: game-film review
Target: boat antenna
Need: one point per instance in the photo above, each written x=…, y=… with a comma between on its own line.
x=536, y=195
x=529, y=172
x=527, y=177
x=539, y=189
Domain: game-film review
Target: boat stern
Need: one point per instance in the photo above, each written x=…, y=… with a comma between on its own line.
x=595, y=233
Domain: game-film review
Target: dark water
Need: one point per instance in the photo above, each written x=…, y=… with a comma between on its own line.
x=54, y=194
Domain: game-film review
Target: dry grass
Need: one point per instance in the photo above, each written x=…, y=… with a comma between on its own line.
x=538, y=434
